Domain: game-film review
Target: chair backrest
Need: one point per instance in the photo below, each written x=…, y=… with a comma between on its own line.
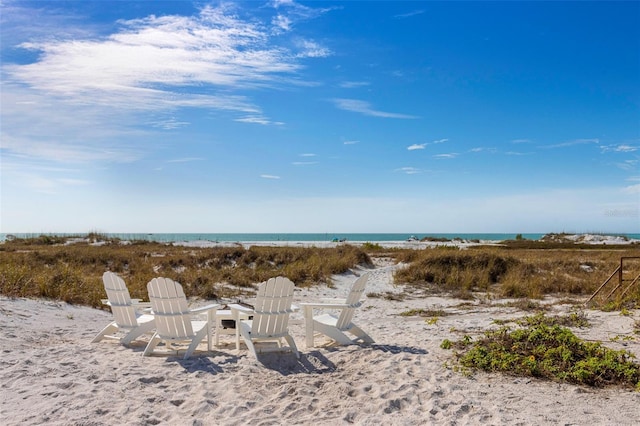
x=272, y=308
x=353, y=299
x=124, y=314
x=169, y=305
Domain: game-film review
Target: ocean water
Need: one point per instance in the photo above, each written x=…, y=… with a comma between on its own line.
x=248, y=237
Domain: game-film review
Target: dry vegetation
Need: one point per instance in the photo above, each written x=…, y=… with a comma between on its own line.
x=514, y=272
x=50, y=267
x=46, y=267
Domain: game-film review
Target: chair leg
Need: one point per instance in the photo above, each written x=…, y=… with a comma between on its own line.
x=308, y=326
x=144, y=328
x=155, y=339
x=333, y=333
x=196, y=341
x=246, y=335
x=357, y=331
x=292, y=345
x=110, y=328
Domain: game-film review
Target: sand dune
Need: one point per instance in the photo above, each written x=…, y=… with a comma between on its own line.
x=52, y=374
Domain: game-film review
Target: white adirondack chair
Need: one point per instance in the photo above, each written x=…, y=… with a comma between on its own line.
x=270, y=318
x=175, y=322
x=128, y=314
x=335, y=326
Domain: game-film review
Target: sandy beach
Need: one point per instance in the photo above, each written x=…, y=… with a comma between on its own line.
x=52, y=374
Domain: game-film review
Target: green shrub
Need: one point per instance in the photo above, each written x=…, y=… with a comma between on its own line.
x=550, y=352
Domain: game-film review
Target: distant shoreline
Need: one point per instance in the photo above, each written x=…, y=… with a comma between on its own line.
x=212, y=239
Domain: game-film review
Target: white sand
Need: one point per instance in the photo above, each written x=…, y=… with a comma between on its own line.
x=51, y=373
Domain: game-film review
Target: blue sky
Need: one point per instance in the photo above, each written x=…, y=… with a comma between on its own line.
x=283, y=116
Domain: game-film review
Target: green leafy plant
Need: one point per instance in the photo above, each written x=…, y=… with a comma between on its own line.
x=549, y=352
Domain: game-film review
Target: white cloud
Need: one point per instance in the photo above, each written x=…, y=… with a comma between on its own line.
x=482, y=149
x=363, y=107
x=259, y=120
x=409, y=170
x=169, y=124
x=619, y=148
x=353, y=84
x=632, y=189
x=417, y=146
x=269, y=177
x=628, y=165
x=424, y=145
x=96, y=90
x=307, y=155
x=149, y=56
x=446, y=156
x=304, y=163
x=311, y=49
x=573, y=143
x=351, y=142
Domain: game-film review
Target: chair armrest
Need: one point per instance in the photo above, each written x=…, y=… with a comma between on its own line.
x=213, y=306
x=333, y=301
x=320, y=305
x=140, y=303
x=243, y=309
x=105, y=302
x=238, y=310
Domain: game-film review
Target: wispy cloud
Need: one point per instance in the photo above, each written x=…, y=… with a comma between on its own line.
x=353, y=84
x=41, y=179
x=632, y=189
x=211, y=48
x=628, y=165
x=416, y=146
x=307, y=155
x=351, y=142
x=291, y=13
x=185, y=160
x=483, y=149
x=518, y=141
x=619, y=148
x=446, y=156
x=169, y=124
x=269, y=177
x=573, y=143
x=94, y=88
x=363, y=107
x=311, y=49
x=409, y=170
x=409, y=14
x=304, y=163
x=255, y=119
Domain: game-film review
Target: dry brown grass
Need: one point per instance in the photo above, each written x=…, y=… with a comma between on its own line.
x=45, y=267
x=511, y=272
x=72, y=273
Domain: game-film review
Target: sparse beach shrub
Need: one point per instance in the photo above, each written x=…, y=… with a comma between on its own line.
x=457, y=272
x=550, y=352
x=424, y=313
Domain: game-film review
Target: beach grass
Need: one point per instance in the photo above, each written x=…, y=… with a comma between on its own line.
x=51, y=267
x=513, y=272
x=42, y=267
